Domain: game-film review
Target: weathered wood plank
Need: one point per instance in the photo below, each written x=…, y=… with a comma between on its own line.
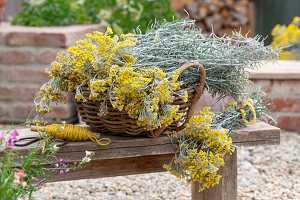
x=117, y=167
x=226, y=189
x=259, y=133
x=136, y=155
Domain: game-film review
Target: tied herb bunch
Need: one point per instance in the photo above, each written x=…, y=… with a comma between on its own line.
x=251, y=106
x=103, y=65
x=201, y=150
x=205, y=140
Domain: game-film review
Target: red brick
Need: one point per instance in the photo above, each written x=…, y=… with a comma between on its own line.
x=16, y=56
x=2, y=75
x=21, y=111
x=282, y=104
x=27, y=75
x=18, y=93
x=21, y=93
x=264, y=84
x=64, y=111
x=46, y=36
x=3, y=111
x=47, y=56
x=207, y=100
x=35, y=39
x=285, y=87
x=289, y=122
x=5, y=93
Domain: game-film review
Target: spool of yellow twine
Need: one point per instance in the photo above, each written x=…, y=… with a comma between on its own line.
x=70, y=132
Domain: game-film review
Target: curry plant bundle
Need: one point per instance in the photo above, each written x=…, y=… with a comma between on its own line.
x=104, y=64
x=205, y=140
x=226, y=60
x=251, y=106
x=201, y=150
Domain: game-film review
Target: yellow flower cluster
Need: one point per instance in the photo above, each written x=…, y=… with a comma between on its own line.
x=247, y=103
x=284, y=36
x=91, y=58
x=104, y=64
x=144, y=93
x=201, y=151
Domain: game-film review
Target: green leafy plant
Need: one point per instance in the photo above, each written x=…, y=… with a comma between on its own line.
x=121, y=15
x=20, y=175
x=51, y=13
x=125, y=15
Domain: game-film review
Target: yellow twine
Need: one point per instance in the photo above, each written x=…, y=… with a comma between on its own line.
x=73, y=133
x=38, y=130
x=69, y=132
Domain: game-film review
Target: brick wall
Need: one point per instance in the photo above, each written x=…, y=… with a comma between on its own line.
x=282, y=83
x=24, y=54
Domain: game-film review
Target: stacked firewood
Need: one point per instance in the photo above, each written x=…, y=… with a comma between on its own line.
x=221, y=16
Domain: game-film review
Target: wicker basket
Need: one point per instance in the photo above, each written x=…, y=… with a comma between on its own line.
x=118, y=122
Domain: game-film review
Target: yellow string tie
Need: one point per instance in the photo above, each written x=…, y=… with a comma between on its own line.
x=44, y=143
x=249, y=103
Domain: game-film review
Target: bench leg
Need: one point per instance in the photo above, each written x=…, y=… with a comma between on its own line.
x=226, y=189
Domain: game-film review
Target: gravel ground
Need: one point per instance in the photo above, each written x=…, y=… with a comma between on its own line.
x=264, y=172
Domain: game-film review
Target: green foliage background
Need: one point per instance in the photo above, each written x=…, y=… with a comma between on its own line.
x=122, y=15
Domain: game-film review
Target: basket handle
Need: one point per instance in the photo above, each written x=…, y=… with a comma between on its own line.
x=198, y=89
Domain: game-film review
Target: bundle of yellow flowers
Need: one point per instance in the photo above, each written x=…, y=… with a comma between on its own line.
x=104, y=64
x=201, y=150
x=285, y=37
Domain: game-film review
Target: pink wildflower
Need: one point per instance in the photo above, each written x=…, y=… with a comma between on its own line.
x=10, y=142
x=21, y=198
x=19, y=175
x=14, y=134
x=2, y=135
x=23, y=183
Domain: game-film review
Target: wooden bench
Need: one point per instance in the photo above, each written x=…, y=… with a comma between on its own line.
x=136, y=155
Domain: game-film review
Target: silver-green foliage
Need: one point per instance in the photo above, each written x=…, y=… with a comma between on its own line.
x=226, y=60
x=232, y=118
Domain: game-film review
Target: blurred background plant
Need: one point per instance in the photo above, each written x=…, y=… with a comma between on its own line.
x=122, y=15
x=288, y=38
x=21, y=175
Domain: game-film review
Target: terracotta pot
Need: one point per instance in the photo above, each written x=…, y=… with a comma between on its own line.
x=2, y=4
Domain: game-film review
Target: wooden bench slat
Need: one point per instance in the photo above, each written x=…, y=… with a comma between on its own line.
x=258, y=133
x=135, y=155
